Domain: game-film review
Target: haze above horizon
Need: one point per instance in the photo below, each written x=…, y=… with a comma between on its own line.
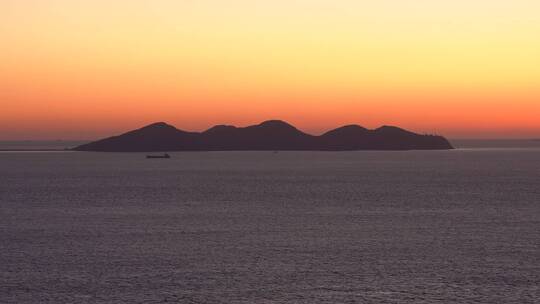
x=89, y=69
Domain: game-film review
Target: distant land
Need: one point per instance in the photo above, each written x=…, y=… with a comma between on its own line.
x=272, y=135
x=501, y=143
x=38, y=145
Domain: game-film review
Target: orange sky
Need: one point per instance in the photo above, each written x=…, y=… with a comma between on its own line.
x=90, y=68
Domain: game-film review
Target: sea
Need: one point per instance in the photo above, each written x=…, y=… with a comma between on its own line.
x=459, y=226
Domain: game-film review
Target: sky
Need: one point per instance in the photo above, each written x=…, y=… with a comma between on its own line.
x=84, y=69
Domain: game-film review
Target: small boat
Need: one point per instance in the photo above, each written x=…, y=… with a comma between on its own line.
x=159, y=156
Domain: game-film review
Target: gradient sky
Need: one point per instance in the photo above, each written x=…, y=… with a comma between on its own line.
x=82, y=69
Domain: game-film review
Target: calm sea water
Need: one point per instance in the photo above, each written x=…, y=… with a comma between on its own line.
x=254, y=227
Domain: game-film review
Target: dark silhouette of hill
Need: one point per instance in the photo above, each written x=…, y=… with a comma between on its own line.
x=155, y=137
x=270, y=135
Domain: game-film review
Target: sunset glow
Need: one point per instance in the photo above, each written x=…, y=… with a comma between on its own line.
x=81, y=69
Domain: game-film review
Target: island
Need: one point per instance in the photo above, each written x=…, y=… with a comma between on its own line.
x=272, y=135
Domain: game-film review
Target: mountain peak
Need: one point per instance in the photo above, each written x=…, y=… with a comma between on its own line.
x=276, y=123
x=348, y=130
x=158, y=125
x=357, y=127
x=219, y=128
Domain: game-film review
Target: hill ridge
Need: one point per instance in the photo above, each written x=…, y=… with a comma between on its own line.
x=268, y=135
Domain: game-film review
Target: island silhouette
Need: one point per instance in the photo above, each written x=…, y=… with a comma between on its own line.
x=271, y=135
